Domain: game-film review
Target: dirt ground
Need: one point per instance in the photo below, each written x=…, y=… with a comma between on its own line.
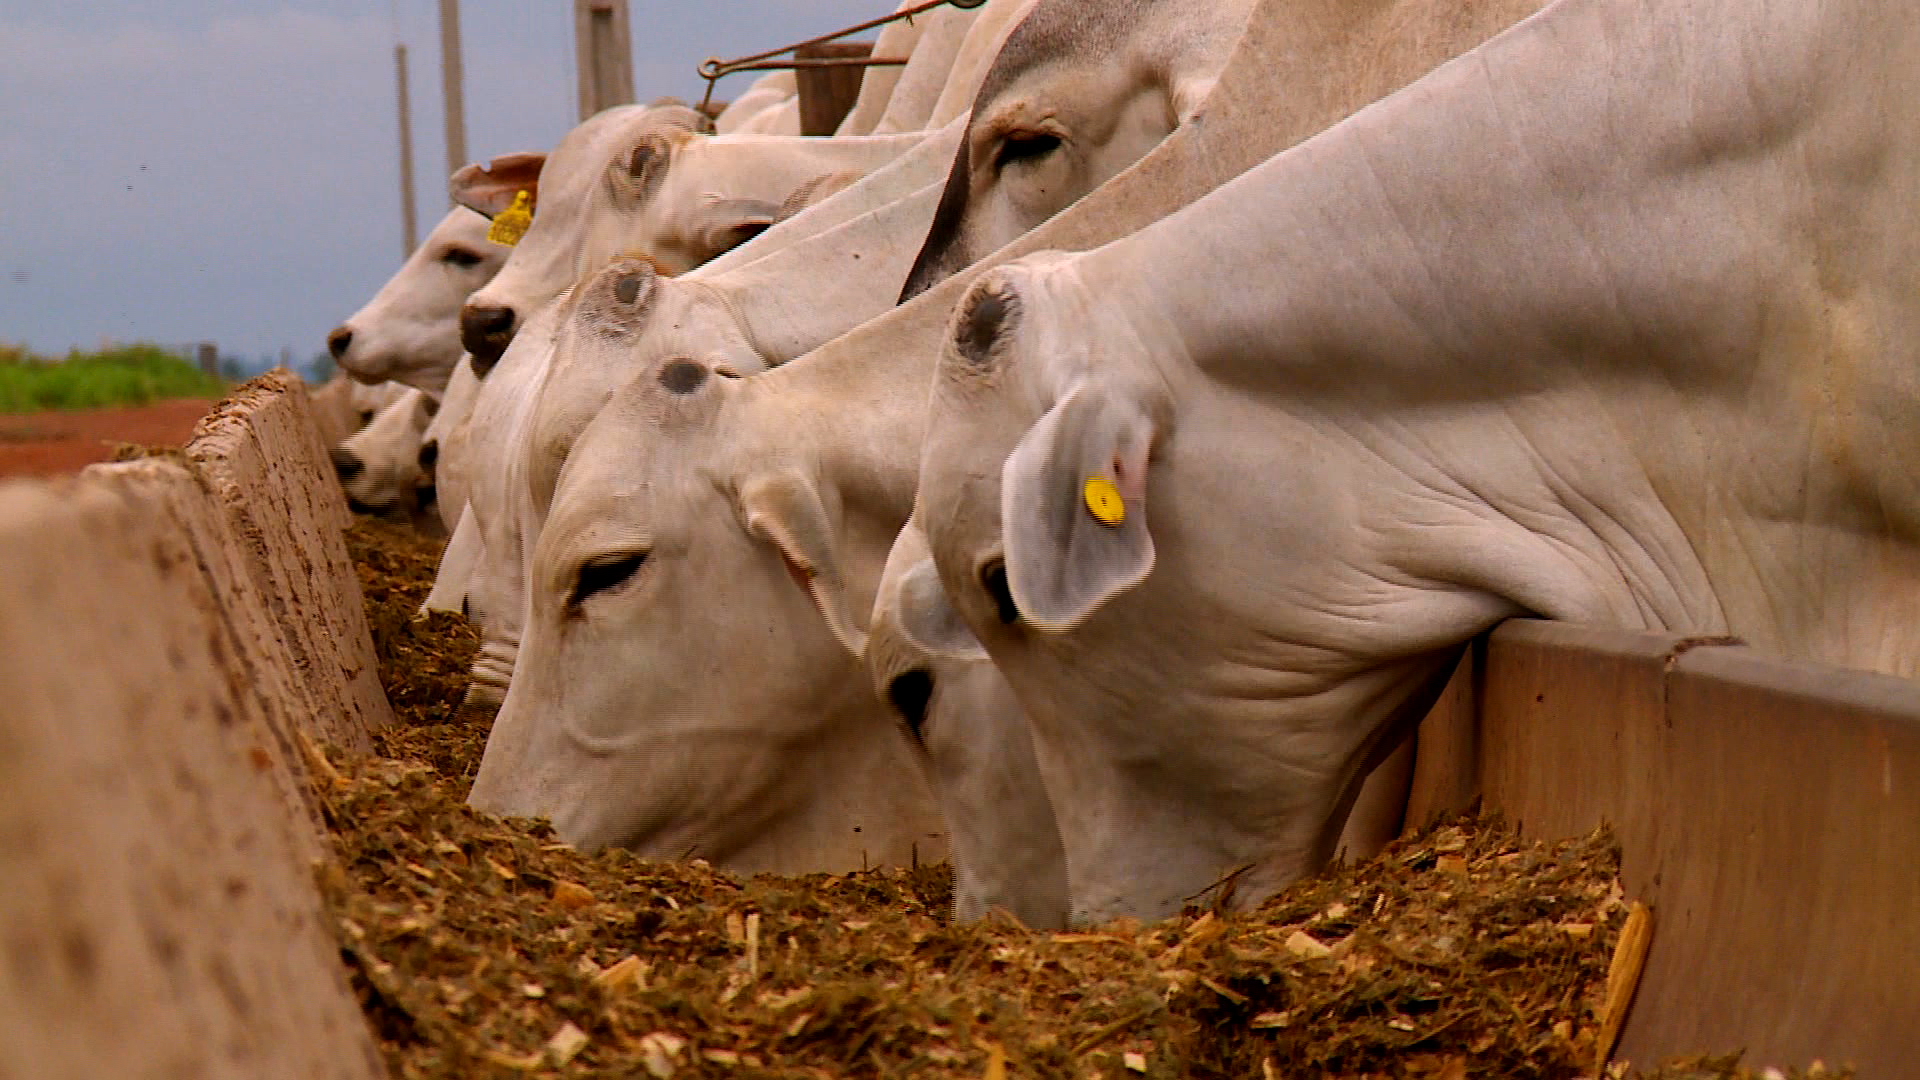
x=482, y=947
x=52, y=443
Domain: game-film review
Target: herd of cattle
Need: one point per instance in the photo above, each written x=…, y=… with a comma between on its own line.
x=800, y=486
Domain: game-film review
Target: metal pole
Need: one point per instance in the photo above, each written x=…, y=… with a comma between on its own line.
x=452, y=80
x=603, y=54
x=409, y=225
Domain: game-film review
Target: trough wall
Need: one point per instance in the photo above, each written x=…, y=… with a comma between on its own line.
x=1767, y=810
x=175, y=634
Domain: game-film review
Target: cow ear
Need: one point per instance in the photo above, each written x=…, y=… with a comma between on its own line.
x=725, y=224
x=490, y=188
x=928, y=619
x=647, y=163
x=1073, y=508
x=785, y=510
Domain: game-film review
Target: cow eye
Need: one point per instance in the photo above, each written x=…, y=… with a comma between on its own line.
x=993, y=577
x=1025, y=146
x=604, y=573
x=460, y=257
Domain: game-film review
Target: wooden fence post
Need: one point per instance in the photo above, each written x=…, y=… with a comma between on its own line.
x=827, y=94
x=603, y=54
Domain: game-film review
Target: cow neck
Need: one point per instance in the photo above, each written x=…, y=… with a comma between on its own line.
x=855, y=409
x=804, y=295
x=1485, y=204
x=774, y=166
x=1647, y=241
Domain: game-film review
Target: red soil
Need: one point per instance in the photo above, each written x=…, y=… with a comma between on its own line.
x=51, y=443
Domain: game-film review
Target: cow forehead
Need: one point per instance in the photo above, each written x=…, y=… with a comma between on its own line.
x=1059, y=30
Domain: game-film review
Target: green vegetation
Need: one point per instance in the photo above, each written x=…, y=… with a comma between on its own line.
x=123, y=375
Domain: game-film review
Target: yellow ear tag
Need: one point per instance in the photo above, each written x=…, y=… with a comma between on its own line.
x=1104, y=502
x=511, y=224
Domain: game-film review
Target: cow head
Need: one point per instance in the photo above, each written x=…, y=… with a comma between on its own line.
x=623, y=319
x=410, y=331
x=688, y=677
x=384, y=467
x=564, y=189
x=1196, y=705
x=1076, y=95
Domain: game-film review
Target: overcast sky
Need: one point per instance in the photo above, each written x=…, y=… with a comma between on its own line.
x=227, y=170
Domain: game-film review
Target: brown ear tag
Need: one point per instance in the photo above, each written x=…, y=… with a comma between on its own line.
x=1104, y=501
x=511, y=224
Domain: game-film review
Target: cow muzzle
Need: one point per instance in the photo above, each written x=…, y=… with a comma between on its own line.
x=485, y=332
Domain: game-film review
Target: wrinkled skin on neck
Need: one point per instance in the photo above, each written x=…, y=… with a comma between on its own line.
x=410, y=331
x=1485, y=354
x=652, y=711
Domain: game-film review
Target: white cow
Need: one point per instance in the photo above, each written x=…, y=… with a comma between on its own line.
x=385, y=468
x=1039, y=137
x=735, y=324
x=780, y=118
x=1611, y=321
x=683, y=521
x=773, y=88
x=343, y=405
x=560, y=196
x=410, y=331
x=943, y=33
x=896, y=39
x=631, y=181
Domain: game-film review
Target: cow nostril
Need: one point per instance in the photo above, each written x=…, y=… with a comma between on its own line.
x=346, y=463
x=994, y=578
x=486, y=332
x=910, y=692
x=339, y=341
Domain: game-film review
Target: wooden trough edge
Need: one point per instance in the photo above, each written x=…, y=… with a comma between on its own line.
x=1768, y=812
x=172, y=631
